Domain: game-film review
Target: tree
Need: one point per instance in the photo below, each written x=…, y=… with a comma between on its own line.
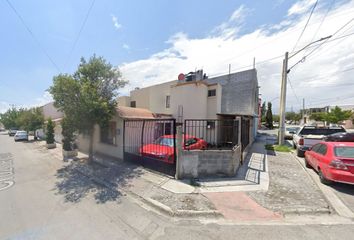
x=9, y=118
x=337, y=115
x=319, y=116
x=263, y=109
x=88, y=97
x=269, y=116
x=68, y=130
x=30, y=119
x=50, y=132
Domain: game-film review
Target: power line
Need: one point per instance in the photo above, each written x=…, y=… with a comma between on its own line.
x=324, y=17
x=32, y=35
x=307, y=22
x=321, y=44
x=80, y=31
x=291, y=86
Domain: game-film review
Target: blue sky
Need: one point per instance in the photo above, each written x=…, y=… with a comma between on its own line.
x=145, y=38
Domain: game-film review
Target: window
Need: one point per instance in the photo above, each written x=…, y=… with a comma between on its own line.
x=323, y=149
x=133, y=104
x=316, y=148
x=168, y=101
x=108, y=133
x=212, y=93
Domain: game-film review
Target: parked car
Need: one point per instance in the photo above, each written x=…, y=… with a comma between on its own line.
x=340, y=137
x=334, y=161
x=308, y=136
x=21, y=135
x=163, y=147
x=12, y=131
x=290, y=131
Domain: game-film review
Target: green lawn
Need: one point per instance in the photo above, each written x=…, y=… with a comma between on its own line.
x=278, y=148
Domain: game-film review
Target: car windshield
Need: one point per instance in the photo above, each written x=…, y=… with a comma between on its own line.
x=320, y=131
x=21, y=133
x=164, y=141
x=292, y=129
x=347, y=152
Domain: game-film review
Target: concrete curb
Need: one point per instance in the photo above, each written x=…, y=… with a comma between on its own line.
x=160, y=207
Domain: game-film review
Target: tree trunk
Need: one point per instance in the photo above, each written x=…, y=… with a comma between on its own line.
x=90, y=158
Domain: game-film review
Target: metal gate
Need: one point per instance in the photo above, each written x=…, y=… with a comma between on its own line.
x=151, y=143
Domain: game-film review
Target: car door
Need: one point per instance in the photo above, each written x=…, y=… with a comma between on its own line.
x=311, y=155
x=319, y=156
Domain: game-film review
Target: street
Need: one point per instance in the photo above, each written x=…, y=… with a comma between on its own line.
x=40, y=203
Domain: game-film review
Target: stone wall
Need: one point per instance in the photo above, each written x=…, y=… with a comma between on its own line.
x=209, y=163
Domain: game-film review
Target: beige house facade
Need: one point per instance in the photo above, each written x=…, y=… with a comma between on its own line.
x=223, y=97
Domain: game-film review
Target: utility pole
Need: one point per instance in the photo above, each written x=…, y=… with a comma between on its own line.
x=303, y=108
x=284, y=79
x=283, y=100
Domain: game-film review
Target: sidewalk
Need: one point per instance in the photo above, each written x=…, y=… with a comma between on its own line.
x=248, y=196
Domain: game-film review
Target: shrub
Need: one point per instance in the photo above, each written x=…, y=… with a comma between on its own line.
x=68, y=134
x=50, y=132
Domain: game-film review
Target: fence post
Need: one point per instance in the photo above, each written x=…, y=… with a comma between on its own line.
x=178, y=150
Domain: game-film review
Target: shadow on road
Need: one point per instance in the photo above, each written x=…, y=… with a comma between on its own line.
x=79, y=179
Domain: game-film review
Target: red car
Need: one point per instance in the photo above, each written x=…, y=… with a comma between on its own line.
x=334, y=161
x=163, y=149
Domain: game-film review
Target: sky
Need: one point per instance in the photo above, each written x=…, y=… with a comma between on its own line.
x=153, y=41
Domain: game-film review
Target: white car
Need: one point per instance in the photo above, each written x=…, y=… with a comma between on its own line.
x=21, y=135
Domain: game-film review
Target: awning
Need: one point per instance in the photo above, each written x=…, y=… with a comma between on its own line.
x=134, y=113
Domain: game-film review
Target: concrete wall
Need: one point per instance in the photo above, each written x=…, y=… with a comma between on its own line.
x=209, y=163
x=113, y=150
x=214, y=102
x=193, y=97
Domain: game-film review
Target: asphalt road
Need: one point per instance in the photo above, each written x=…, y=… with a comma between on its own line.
x=35, y=205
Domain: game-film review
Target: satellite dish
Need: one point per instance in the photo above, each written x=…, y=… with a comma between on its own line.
x=181, y=77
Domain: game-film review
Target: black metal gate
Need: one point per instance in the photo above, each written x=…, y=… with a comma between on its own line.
x=151, y=143
x=245, y=132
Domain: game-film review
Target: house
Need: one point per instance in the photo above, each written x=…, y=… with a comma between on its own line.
x=109, y=140
x=195, y=96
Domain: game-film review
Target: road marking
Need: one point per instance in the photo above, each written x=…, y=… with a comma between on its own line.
x=6, y=171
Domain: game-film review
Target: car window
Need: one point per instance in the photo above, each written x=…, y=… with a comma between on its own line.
x=323, y=149
x=165, y=141
x=316, y=147
x=190, y=141
x=320, y=131
x=347, y=152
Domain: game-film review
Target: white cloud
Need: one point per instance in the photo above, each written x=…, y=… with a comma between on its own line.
x=126, y=46
x=216, y=51
x=301, y=7
x=116, y=24
x=4, y=106
x=38, y=102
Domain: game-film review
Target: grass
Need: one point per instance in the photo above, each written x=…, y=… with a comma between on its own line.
x=278, y=148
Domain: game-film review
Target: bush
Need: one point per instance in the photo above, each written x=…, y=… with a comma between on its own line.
x=68, y=134
x=50, y=132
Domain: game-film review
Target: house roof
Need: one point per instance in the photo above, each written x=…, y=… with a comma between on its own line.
x=134, y=113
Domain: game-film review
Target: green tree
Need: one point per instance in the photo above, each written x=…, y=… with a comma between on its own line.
x=50, y=131
x=269, y=116
x=88, y=97
x=68, y=129
x=9, y=118
x=337, y=115
x=30, y=119
x=319, y=116
x=263, y=109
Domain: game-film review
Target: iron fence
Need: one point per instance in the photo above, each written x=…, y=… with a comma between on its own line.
x=151, y=143
x=210, y=133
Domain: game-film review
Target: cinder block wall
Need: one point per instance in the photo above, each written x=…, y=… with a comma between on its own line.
x=209, y=163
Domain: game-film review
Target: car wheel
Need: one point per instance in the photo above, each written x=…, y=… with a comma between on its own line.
x=307, y=164
x=300, y=153
x=323, y=179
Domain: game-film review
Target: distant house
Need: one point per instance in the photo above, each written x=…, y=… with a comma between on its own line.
x=195, y=96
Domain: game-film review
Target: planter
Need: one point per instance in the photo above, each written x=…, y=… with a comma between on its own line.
x=69, y=154
x=51, y=145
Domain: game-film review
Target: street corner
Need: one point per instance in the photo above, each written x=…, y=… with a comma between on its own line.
x=238, y=206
